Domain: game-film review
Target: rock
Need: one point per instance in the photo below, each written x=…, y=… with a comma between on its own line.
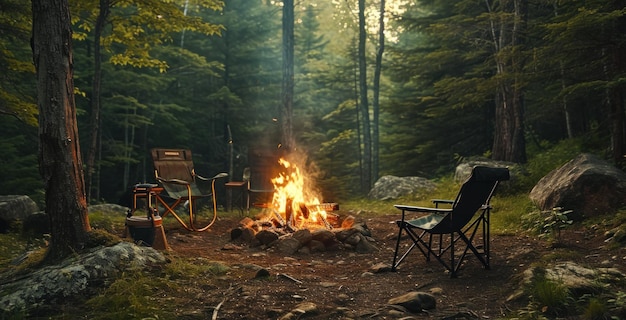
x=306, y=307
x=464, y=170
x=587, y=185
x=108, y=208
x=14, y=208
x=381, y=267
x=74, y=276
x=247, y=234
x=303, y=310
x=304, y=236
x=324, y=236
x=392, y=187
x=288, y=245
x=362, y=228
x=582, y=279
x=266, y=237
x=578, y=279
x=354, y=239
x=36, y=224
x=316, y=246
x=415, y=301
x=343, y=234
x=436, y=291
x=262, y=273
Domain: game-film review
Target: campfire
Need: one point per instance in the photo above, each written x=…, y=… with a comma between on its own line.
x=295, y=205
x=296, y=220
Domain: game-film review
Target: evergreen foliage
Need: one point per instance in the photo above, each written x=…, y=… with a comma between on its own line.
x=217, y=77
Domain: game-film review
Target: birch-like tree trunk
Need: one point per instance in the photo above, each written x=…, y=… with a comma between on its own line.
x=104, y=11
x=509, y=141
x=288, y=140
x=364, y=105
x=376, y=88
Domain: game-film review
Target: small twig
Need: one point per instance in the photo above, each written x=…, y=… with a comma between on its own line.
x=290, y=278
x=217, y=308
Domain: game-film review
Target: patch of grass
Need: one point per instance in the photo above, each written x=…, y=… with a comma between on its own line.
x=132, y=296
x=548, y=296
x=596, y=309
x=11, y=246
x=112, y=223
x=100, y=237
x=561, y=254
x=191, y=268
x=506, y=217
x=160, y=294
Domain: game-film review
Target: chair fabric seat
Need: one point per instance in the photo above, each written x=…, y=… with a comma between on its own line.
x=427, y=222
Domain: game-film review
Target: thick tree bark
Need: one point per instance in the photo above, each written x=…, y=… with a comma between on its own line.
x=60, y=161
x=286, y=116
x=364, y=105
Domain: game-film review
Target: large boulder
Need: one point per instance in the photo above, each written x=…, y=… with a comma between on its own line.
x=75, y=276
x=578, y=279
x=392, y=187
x=464, y=170
x=13, y=208
x=587, y=185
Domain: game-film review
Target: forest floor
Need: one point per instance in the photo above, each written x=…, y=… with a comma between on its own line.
x=341, y=283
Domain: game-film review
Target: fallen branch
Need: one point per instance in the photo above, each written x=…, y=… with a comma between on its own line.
x=290, y=278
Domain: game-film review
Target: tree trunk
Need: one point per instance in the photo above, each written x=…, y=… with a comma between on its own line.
x=617, y=108
x=367, y=139
x=509, y=141
x=95, y=96
x=376, y=88
x=288, y=140
x=60, y=161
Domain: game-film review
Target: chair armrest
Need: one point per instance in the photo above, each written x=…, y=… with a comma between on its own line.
x=421, y=209
x=174, y=181
x=437, y=202
x=428, y=210
x=217, y=176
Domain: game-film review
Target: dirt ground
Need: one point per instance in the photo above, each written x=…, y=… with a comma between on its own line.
x=342, y=285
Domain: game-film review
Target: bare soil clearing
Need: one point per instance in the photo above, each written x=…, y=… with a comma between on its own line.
x=342, y=286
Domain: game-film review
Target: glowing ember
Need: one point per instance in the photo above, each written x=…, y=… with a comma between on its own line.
x=294, y=202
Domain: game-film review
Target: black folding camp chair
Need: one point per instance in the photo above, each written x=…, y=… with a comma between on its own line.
x=174, y=170
x=436, y=231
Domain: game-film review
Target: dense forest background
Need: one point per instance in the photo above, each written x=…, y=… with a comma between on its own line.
x=206, y=75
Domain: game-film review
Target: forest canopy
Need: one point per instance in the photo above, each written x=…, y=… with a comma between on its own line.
x=459, y=79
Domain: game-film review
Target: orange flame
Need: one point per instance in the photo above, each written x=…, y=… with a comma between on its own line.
x=294, y=200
